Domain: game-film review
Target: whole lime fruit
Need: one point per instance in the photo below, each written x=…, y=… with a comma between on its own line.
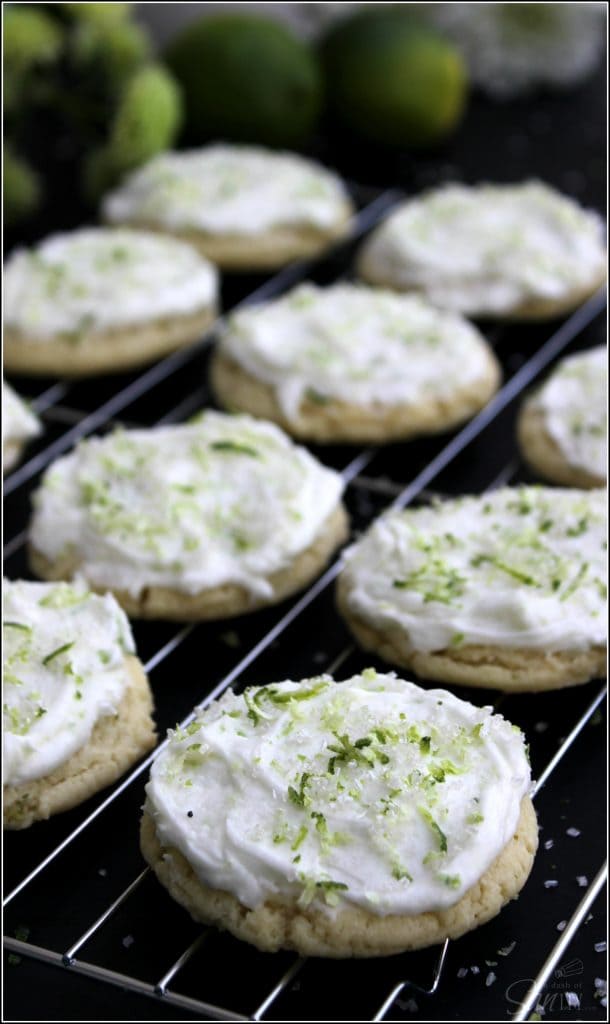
x=246, y=79
x=393, y=79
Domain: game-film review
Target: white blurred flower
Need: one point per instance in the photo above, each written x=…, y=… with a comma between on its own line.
x=515, y=47
x=510, y=48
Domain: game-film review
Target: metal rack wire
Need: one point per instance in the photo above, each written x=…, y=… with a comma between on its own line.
x=58, y=405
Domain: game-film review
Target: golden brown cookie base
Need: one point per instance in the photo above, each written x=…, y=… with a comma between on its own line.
x=11, y=454
x=514, y=670
x=115, y=744
x=545, y=457
x=353, y=931
x=534, y=309
x=216, y=602
x=111, y=351
x=339, y=421
x=269, y=251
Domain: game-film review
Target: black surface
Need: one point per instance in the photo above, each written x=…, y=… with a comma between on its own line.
x=560, y=139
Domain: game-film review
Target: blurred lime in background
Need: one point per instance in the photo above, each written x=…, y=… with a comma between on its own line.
x=32, y=42
x=246, y=79
x=97, y=14
x=85, y=102
x=22, y=188
x=143, y=124
x=393, y=79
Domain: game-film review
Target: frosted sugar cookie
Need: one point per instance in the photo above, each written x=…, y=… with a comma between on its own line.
x=19, y=425
x=506, y=591
x=359, y=818
x=563, y=427
x=510, y=251
x=351, y=363
x=212, y=518
x=76, y=703
x=244, y=207
x=102, y=300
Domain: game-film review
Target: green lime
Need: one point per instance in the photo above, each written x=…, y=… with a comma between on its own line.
x=246, y=79
x=393, y=79
x=21, y=188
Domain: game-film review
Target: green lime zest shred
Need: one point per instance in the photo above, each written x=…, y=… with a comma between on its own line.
x=453, y=881
x=576, y=582
x=298, y=796
x=58, y=650
x=301, y=835
x=235, y=448
x=435, y=827
x=509, y=570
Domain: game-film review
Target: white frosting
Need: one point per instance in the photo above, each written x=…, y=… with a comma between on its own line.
x=224, y=499
x=573, y=404
x=489, y=248
x=19, y=424
x=63, y=670
x=222, y=190
x=357, y=344
x=521, y=567
x=371, y=792
x=96, y=279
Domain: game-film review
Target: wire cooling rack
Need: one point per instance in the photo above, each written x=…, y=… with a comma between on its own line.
x=78, y=895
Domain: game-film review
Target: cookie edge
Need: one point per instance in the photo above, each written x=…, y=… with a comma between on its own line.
x=313, y=932
x=531, y=310
x=115, y=744
x=267, y=250
x=544, y=456
x=112, y=351
x=337, y=421
x=220, y=602
x=512, y=670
